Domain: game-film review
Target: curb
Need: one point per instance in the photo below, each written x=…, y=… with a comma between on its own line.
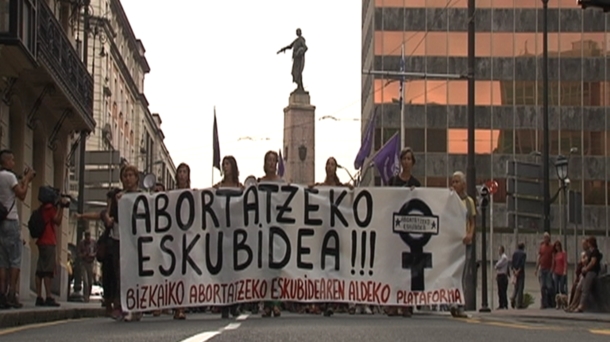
x=576, y=318
x=18, y=318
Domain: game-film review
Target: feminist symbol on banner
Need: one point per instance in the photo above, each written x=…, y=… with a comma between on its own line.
x=415, y=224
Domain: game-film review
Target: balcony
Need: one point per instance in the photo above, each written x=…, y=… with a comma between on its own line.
x=55, y=53
x=37, y=53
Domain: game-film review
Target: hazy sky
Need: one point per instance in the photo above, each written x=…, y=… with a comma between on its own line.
x=223, y=53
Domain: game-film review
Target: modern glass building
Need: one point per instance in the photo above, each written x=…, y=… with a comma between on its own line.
x=508, y=90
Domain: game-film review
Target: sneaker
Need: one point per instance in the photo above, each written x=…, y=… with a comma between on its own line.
x=39, y=301
x=51, y=302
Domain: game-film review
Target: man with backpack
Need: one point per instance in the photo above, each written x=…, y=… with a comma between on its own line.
x=42, y=225
x=11, y=245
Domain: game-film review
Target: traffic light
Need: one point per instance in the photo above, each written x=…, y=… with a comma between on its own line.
x=603, y=4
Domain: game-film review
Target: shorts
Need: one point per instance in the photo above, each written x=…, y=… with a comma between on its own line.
x=10, y=244
x=47, y=261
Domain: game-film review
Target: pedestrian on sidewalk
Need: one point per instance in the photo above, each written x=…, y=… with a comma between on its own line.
x=518, y=278
x=52, y=214
x=544, y=272
x=560, y=269
x=87, y=250
x=502, y=274
x=458, y=184
x=11, y=245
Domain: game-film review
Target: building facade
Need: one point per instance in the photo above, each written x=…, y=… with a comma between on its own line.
x=47, y=96
x=127, y=132
x=508, y=93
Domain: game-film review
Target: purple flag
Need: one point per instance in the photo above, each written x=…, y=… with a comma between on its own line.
x=367, y=142
x=281, y=168
x=386, y=160
x=216, y=145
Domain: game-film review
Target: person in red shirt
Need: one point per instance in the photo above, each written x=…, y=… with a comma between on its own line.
x=560, y=268
x=52, y=216
x=544, y=271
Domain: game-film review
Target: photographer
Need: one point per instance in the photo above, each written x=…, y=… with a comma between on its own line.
x=52, y=212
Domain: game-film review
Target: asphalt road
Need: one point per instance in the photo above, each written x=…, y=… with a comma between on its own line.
x=291, y=327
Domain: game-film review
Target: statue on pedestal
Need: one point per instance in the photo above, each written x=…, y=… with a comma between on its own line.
x=299, y=48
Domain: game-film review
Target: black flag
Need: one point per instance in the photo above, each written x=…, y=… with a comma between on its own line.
x=216, y=145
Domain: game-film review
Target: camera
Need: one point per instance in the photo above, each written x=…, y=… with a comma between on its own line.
x=51, y=195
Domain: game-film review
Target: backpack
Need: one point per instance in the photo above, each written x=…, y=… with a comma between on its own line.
x=36, y=223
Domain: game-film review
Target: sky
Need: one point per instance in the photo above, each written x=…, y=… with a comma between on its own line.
x=206, y=54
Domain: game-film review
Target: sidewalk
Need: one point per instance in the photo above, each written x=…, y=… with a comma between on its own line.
x=548, y=314
x=31, y=314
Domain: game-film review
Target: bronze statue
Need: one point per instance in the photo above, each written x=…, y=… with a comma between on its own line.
x=298, y=60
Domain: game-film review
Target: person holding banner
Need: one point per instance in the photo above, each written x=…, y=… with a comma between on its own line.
x=404, y=179
x=230, y=179
x=183, y=181
x=458, y=184
x=270, y=168
x=108, y=276
x=331, y=180
x=130, y=177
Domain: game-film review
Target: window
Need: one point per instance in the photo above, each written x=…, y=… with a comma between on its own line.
x=593, y=144
x=5, y=16
x=439, y=92
x=436, y=140
x=594, y=192
x=414, y=138
x=28, y=25
x=485, y=141
x=570, y=139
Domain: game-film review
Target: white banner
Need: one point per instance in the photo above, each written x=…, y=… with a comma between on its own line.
x=382, y=246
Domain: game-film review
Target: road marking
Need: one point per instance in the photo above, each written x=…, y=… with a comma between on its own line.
x=207, y=335
x=512, y=325
x=37, y=325
x=600, y=331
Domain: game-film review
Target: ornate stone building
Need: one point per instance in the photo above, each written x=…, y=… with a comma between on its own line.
x=47, y=95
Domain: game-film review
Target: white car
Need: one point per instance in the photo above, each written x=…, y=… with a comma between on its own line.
x=97, y=292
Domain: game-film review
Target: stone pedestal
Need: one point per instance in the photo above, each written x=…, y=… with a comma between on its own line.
x=299, y=139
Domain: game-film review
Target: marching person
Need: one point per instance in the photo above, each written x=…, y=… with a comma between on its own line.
x=458, y=184
x=331, y=180
x=103, y=251
x=404, y=179
x=270, y=168
x=183, y=181
x=230, y=180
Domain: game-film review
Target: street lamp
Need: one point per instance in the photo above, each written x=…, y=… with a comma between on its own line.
x=561, y=166
x=545, y=118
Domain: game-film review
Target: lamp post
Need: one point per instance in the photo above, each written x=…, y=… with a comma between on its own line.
x=561, y=166
x=545, y=117
x=484, y=203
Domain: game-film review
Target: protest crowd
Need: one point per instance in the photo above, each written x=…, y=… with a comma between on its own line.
x=107, y=249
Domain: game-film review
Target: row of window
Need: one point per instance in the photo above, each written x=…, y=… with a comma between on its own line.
x=494, y=93
x=496, y=44
x=523, y=141
x=595, y=192
x=568, y=4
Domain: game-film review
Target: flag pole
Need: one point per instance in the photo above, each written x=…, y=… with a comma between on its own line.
x=402, y=101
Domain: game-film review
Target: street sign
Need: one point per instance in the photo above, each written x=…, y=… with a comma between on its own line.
x=492, y=185
x=527, y=206
x=575, y=207
x=524, y=187
x=102, y=176
x=102, y=158
x=525, y=195
x=524, y=170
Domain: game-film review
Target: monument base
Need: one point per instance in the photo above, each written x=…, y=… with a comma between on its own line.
x=299, y=139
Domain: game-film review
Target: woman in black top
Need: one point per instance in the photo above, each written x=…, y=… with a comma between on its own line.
x=405, y=178
x=590, y=272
